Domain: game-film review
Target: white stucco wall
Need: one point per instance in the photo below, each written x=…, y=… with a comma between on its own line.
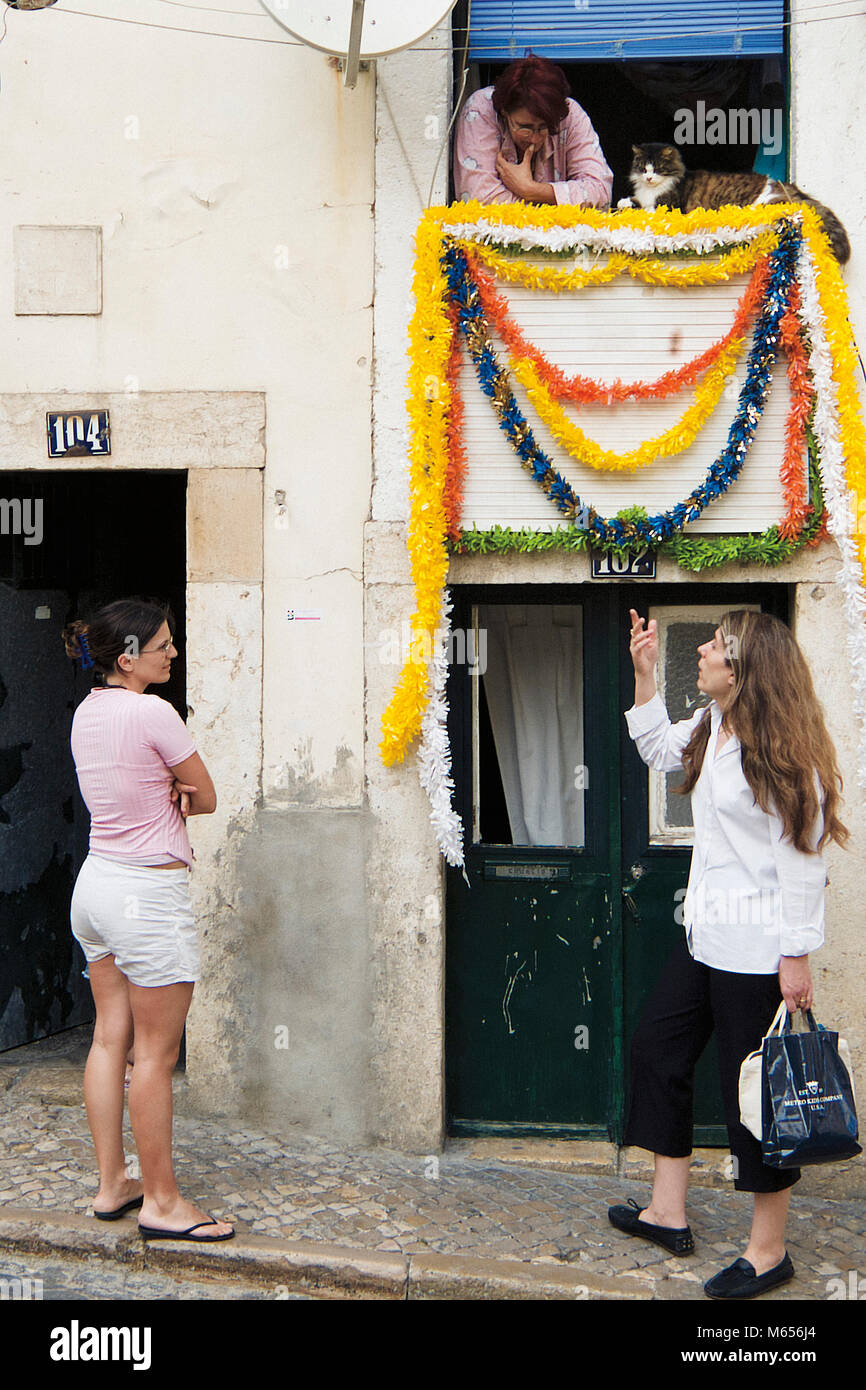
x=233, y=183
x=231, y=174
x=828, y=59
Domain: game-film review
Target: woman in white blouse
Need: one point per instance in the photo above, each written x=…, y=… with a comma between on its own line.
x=762, y=773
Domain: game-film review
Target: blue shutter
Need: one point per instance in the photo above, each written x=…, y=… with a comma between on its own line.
x=502, y=30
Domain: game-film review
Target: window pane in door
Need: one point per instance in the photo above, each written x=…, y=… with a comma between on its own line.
x=681, y=698
x=528, y=726
x=682, y=629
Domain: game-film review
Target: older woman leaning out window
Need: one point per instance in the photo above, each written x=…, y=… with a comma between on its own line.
x=526, y=139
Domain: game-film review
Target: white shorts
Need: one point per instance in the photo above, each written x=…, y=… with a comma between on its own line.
x=141, y=916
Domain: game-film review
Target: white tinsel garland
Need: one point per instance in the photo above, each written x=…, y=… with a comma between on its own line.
x=633, y=240
x=839, y=500
x=434, y=752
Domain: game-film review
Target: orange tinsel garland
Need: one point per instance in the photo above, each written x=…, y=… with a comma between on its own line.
x=793, y=471
x=452, y=492
x=583, y=390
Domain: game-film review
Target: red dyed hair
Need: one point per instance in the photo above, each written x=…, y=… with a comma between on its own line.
x=537, y=84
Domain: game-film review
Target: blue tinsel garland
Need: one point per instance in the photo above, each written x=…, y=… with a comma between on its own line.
x=495, y=383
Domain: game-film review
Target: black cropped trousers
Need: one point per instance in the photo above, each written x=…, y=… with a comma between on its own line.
x=690, y=1002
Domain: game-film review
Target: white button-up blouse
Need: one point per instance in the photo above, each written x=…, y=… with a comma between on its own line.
x=751, y=896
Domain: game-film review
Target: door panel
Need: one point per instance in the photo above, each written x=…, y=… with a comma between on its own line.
x=41, y=986
x=656, y=827
x=531, y=980
x=533, y=943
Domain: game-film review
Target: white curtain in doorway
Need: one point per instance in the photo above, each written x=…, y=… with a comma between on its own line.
x=534, y=688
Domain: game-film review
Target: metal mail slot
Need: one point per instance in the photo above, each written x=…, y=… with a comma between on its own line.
x=550, y=873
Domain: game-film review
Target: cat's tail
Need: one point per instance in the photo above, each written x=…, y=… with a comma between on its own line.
x=836, y=233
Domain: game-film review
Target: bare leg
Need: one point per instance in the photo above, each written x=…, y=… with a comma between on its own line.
x=103, y=1083
x=159, y=1013
x=766, y=1247
x=670, y=1183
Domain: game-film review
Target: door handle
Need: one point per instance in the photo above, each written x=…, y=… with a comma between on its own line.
x=629, y=900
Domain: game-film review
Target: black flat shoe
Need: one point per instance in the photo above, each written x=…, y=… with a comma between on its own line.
x=119, y=1211
x=739, y=1280
x=677, y=1239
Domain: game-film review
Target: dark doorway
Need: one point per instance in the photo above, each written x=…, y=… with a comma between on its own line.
x=100, y=536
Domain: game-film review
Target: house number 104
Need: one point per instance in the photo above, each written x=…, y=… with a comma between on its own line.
x=77, y=433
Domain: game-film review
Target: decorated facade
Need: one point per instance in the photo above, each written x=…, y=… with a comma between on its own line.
x=246, y=313
x=792, y=314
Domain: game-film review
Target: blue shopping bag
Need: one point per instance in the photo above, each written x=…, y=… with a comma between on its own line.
x=807, y=1102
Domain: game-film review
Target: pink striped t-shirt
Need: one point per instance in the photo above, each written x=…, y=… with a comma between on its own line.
x=124, y=745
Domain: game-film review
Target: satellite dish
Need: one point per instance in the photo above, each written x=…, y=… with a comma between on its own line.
x=356, y=29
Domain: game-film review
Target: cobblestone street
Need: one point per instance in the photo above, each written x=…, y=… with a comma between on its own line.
x=465, y=1203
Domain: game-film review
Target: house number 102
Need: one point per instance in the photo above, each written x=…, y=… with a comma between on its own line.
x=641, y=563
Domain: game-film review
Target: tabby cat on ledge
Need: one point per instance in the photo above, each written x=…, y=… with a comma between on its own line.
x=659, y=176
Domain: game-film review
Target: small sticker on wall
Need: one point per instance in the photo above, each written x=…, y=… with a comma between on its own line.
x=42, y=612
x=304, y=615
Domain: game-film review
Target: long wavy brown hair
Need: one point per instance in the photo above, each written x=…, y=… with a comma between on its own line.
x=776, y=715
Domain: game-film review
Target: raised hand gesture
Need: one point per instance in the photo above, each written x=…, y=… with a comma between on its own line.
x=644, y=648
x=644, y=645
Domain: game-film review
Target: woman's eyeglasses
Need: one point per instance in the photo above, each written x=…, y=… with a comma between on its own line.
x=527, y=129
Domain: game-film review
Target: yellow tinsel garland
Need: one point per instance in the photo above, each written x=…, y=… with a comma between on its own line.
x=429, y=347
x=672, y=441
x=652, y=272
x=831, y=295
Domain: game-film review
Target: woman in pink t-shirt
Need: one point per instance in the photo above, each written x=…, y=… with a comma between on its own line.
x=140, y=777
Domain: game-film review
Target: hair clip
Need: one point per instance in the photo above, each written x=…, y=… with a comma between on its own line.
x=86, y=658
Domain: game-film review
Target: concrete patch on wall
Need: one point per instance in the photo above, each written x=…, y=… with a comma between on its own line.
x=303, y=1050
x=405, y=891
x=224, y=644
x=58, y=270
x=297, y=784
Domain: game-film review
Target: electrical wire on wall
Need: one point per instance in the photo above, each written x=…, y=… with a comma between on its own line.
x=458, y=102
x=820, y=17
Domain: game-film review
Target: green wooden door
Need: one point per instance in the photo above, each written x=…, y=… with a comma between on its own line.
x=533, y=944
x=564, y=926
x=656, y=821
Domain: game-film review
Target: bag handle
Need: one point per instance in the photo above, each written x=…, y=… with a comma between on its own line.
x=781, y=1022
x=813, y=1026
